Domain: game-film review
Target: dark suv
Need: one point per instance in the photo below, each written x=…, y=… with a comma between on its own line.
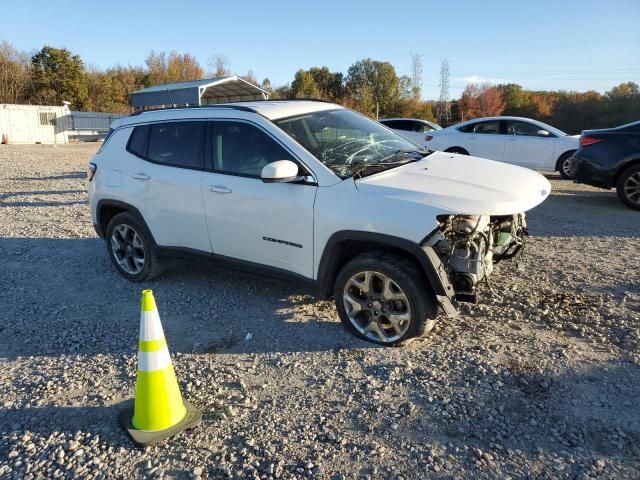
x=610, y=158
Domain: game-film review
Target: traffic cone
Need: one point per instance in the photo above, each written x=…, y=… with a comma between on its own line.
x=158, y=411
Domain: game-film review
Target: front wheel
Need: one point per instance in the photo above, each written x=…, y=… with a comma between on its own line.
x=628, y=187
x=383, y=298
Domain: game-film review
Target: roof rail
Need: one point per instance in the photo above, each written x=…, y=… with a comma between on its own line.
x=217, y=105
x=233, y=105
x=303, y=99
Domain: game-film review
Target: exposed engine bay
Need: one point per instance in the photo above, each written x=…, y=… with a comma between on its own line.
x=469, y=245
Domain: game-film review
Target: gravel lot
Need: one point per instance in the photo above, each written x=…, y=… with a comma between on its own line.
x=541, y=379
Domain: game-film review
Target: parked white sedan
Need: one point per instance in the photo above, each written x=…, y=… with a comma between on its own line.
x=519, y=141
x=412, y=128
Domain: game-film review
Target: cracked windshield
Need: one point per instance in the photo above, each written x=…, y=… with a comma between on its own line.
x=349, y=143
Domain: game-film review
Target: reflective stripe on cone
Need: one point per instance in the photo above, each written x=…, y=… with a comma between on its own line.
x=158, y=403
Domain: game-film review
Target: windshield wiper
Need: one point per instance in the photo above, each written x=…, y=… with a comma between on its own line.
x=382, y=165
x=406, y=152
x=378, y=167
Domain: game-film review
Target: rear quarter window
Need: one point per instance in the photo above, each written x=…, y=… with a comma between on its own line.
x=176, y=144
x=138, y=141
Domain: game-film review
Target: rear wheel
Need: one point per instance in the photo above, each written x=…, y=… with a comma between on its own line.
x=564, y=165
x=382, y=298
x=131, y=248
x=628, y=187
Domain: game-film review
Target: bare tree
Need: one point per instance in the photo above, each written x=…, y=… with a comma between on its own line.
x=218, y=66
x=15, y=75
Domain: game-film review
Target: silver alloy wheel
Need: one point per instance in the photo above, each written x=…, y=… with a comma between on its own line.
x=377, y=307
x=631, y=188
x=566, y=166
x=127, y=249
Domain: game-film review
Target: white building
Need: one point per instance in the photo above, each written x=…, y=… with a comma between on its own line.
x=48, y=124
x=33, y=124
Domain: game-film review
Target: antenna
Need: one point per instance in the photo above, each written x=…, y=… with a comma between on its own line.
x=444, y=109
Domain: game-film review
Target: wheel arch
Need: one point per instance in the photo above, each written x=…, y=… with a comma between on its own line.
x=457, y=149
x=562, y=157
x=107, y=209
x=343, y=246
x=622, y=168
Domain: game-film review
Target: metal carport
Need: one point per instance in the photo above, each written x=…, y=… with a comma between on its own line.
x=197, y=92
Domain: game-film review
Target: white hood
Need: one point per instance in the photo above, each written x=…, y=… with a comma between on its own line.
x=461, y=184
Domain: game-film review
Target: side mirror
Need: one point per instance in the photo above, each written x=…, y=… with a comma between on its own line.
x=280, y=171
x=542, y=133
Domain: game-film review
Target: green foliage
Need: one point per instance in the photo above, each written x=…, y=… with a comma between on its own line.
x=171, y=68
x=109, y=91
x=318, y=82
x=59, y=76
x=575, y=111
x=370, y=83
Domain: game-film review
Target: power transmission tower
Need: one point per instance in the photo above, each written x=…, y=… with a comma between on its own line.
x=444, y=109
x=416, y=74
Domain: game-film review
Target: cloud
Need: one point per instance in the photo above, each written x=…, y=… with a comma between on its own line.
x=477, y=79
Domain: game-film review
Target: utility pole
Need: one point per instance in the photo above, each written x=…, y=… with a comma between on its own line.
x=416, y=75
x=444, y=109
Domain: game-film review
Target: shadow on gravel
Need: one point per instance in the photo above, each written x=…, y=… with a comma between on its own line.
x=38, y=203
x=52, y=420
x=589, y=413
x=63, y=297
x=62, y=176
x=568, y=213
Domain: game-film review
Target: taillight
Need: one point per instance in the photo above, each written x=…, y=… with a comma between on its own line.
x=428, y=138
x=585, y=141
x=91, y=171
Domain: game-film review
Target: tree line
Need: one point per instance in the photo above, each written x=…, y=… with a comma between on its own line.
x=53, y=75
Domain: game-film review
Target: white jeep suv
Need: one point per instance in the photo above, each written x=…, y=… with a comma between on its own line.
x=316, y=192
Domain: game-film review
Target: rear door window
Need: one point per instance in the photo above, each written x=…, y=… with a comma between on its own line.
x=491, y=127
x=179, y=144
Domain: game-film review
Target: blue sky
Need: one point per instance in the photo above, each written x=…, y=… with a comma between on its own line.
x=570, y=44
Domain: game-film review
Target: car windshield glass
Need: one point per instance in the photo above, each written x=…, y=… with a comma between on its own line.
x=554, y=130
x=347, y=142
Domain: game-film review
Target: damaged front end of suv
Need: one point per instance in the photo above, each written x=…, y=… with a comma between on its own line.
x=469, y=246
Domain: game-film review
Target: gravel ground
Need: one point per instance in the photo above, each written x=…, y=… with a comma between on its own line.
x=541, y=379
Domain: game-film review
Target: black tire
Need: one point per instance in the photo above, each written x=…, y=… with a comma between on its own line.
x=151, y=267
x=406, y=278
x=563, y=165
x=458, y=150
x=628, y=188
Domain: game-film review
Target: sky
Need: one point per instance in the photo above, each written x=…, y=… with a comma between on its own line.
x=544, y=45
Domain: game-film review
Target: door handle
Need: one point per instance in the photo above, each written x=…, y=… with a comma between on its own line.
x=218, y=189
x=141, y=176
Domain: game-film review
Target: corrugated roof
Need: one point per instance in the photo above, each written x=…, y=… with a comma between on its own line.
x=198, y=92
x=180, y=85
